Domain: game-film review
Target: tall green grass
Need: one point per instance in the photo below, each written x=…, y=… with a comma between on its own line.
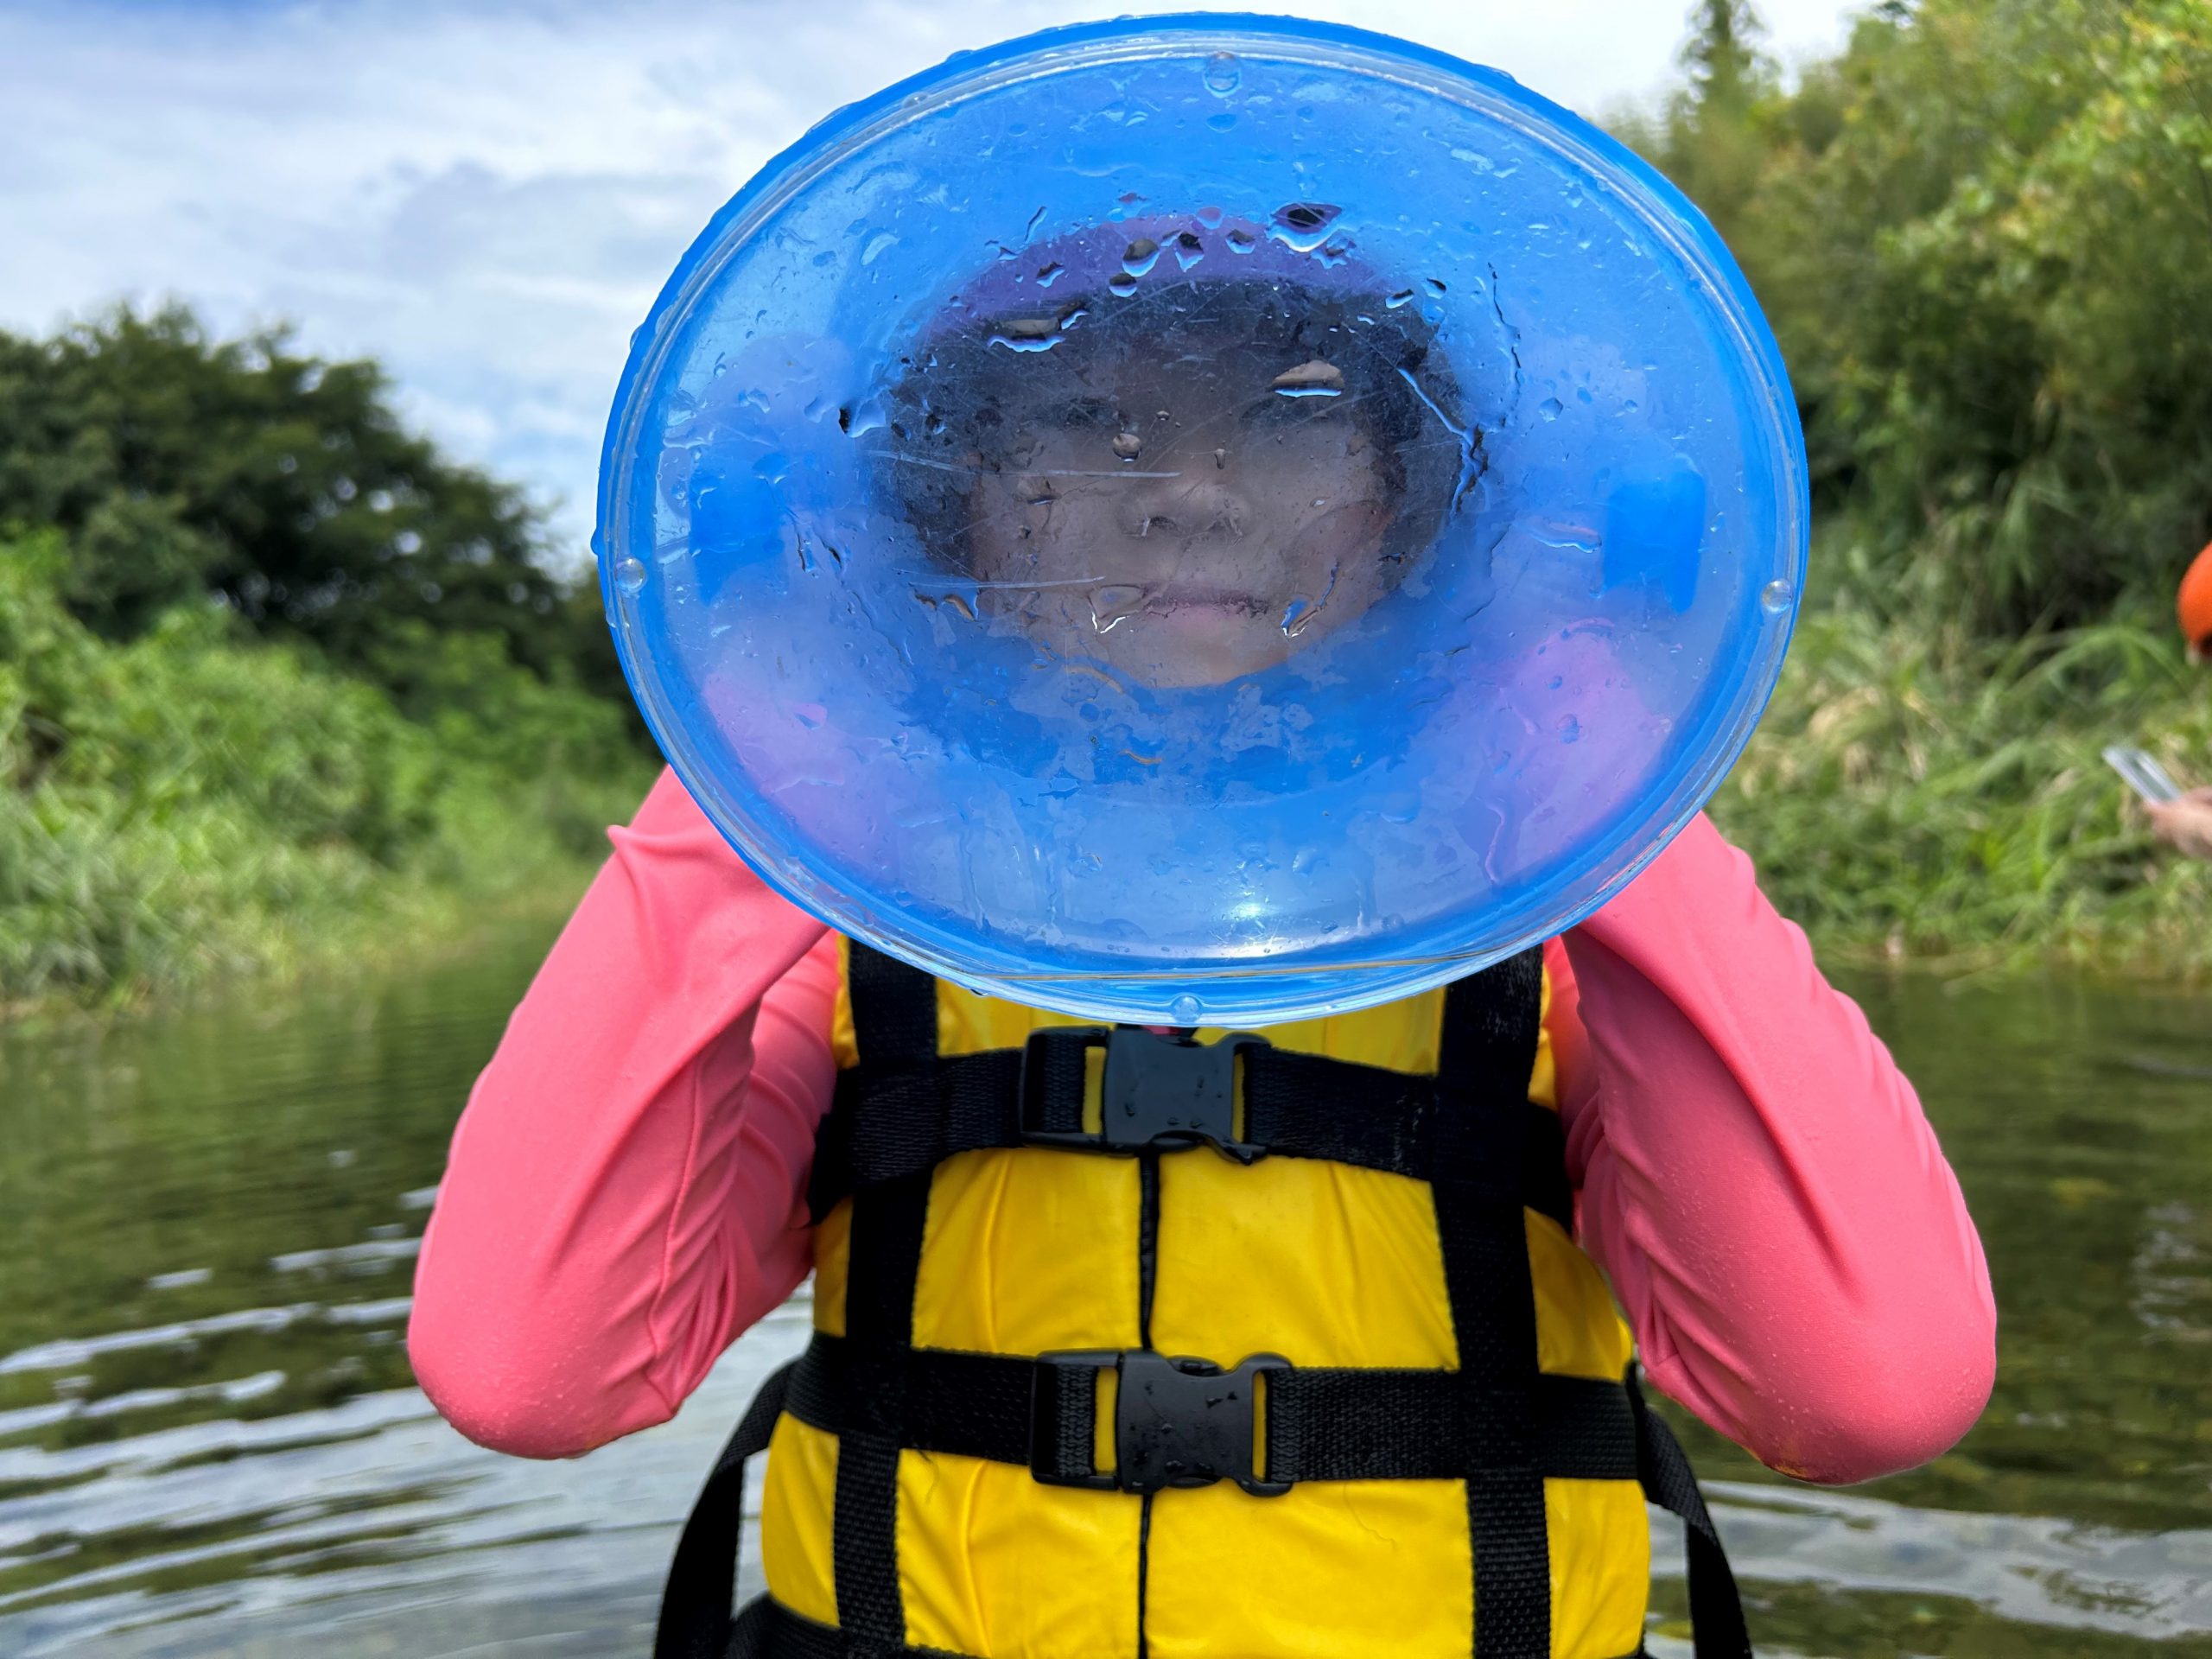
x=191, y=804
x=1916, y=791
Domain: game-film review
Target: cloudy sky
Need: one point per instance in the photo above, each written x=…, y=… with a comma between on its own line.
x=487, y=195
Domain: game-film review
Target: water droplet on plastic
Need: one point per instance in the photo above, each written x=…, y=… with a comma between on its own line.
x=1570, y=538
x=1304, y=224
x=877, y=245
x=1210, y=217
x=1297, y=614
x=1123, y=286
x=1403, y=296
x=1028, y=333
x=861, y=419
x=1222, y=121
x=1128, y=446
x=1223, y=74
x=1141, y=256
x=1113, y=604
x=1241, y=241
x=1548, y=408
x=1183, y=1010
x=1775, y=598
x=1050, y=273
x=1316, y=379
x=1558, y=680
x=1570, y=730
x=1187, y=249
x=1335, y=251
x=630, y=576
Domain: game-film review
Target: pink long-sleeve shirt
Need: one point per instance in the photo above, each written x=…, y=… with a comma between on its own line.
x=627, y=1190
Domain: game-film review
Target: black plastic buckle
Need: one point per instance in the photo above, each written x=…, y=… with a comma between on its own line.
x=1158, y=1092
x=1177, y=1422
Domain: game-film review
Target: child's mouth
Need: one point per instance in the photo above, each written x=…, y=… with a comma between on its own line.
x=1181, y=597
x=1114, y=603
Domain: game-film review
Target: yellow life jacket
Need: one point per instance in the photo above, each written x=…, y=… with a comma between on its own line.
x=1135, y=1344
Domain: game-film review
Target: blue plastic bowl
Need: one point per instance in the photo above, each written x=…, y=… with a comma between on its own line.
x=1573, y=565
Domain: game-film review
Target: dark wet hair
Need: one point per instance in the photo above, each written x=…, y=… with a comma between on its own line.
x=975, y=394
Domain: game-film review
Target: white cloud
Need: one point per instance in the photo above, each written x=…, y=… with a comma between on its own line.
x=487, y=197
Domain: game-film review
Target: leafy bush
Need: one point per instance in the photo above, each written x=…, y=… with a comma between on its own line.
x=192, y=802
x=1981, y=234
x=277, y=677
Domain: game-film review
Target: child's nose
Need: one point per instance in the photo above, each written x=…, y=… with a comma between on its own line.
x=1204, y=503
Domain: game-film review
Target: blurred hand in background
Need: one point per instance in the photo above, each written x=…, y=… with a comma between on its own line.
x=2186, y=824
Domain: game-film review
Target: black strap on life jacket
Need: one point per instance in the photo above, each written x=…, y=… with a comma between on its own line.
x=896, y=1028
x=695, y=1619
x=1489, y=1049
x=695, y=1610
x=1716, y=1607
x=1295, y=1423
x=1498, y=1423
x=890, y=1119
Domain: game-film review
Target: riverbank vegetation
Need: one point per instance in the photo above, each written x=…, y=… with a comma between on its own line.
x=280, y=681
x=278, y=684
x=1983, y=234
x=1918, y=792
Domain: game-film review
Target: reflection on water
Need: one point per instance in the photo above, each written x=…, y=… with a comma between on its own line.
x=209, y=1443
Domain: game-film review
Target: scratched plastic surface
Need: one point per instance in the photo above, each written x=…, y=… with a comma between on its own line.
x=1203, y=521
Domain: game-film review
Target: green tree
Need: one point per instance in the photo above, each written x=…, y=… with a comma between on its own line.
x=1984, y=235
x=1711, y=136
x=1725, y=72
x=177, y=465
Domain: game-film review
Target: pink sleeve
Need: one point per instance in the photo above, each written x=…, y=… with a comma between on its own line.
x=626, y=1191
x=1759, y=1183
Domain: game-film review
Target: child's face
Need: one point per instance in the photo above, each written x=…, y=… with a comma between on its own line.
x=1183, y=522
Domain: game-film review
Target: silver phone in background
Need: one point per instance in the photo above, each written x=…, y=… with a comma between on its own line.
x=2142, y=772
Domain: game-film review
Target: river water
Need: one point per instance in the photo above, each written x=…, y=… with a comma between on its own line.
x=209, y=1442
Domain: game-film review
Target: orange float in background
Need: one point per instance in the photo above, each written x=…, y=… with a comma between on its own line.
x=2194, y=606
